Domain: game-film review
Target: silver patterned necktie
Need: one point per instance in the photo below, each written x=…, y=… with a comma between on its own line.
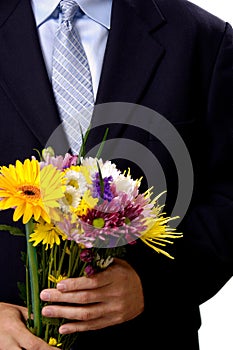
x=71, y=77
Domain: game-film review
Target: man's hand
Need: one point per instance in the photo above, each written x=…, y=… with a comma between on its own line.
x=110, y=297
x=14, y=335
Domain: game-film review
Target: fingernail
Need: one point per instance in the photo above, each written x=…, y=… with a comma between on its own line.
x=45, y=296
x=47, y=312
x=61, y=287
x=63, y=330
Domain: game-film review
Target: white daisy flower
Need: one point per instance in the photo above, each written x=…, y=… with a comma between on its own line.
x=76, y=180
x=124, y=183
x=91, y=162
x=110, y=169
x=71, y=198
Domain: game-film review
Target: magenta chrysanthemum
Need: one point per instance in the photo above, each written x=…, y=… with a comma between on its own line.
x=87, y=255
x=114, y=223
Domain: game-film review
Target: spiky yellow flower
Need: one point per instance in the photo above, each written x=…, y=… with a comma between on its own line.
x=29, y=190
x=58, y=279
x=159, y=233
x=46, y=233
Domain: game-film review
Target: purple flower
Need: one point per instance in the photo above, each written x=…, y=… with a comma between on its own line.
x=105, y=193
x=87, y=255
x=89, y=270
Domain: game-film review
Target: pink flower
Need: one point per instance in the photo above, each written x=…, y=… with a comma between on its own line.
x=74, y=232
x=59, y=162
x=69, y=160
x=114, y=223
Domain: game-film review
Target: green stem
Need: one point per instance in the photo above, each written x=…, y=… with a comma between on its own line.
x=71, y=258
x=29, y=306
x=62, y=258
x=46, y=338
x=76, y=264
x=34, y=281
x=51, y=258
x=43, y=268
x=55, y=260
x=82, y=269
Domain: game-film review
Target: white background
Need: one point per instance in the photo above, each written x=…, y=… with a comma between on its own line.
x=220, y=8
x=216, y=332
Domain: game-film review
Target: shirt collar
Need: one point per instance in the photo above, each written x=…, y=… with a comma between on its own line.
x=99, y=11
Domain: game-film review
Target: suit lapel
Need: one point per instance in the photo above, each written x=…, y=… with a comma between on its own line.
x=132, y=52
x=22, y=71
x=124, y=79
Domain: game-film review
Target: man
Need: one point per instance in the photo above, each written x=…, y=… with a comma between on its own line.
x=171, y=57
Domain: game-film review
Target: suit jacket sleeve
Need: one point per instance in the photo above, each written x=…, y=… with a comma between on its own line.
x=208, y=225
x=204, y=256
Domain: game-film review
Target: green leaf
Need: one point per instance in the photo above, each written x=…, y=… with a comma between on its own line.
x=82, y=151
x=24, y=257
x=102, y=144
x=101, y=181
x=15, y=231
x=22, y=291
x=39, y=154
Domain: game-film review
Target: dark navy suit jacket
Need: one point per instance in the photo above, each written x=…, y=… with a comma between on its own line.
x=176, y=59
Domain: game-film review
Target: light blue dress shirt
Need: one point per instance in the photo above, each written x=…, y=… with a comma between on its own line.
x=93, y=29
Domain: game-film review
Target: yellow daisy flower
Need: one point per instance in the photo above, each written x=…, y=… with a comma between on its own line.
x=29, y=190
x=86, y=174
x=58, y=279
x=87, y=202
x=46, y=233
x=53, y=341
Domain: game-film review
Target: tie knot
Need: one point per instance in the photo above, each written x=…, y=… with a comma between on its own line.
x=68, y=8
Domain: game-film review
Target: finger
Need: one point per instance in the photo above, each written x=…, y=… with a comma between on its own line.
x=77, y=297
x=6, y=344
x=23, y=310
x=82, y=283
x=29, y=341
x=12, y=347
x=82, y=326
x=36, y=344
x=75, y=312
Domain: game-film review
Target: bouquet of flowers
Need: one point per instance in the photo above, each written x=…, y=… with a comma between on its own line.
x=79, y=213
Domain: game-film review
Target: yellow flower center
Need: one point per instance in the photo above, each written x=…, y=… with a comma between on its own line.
x=73, y=183
x=30, y=191
x=69, y=198
x=127, y=221
x=98, y=223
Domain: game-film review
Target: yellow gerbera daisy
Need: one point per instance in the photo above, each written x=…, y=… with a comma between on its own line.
x=29, y=190
x=46, y=233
